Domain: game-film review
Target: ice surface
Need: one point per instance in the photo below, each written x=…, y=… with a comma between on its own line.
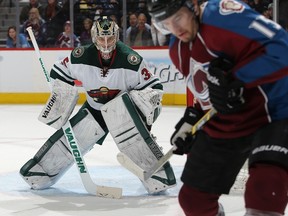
x=21, y=135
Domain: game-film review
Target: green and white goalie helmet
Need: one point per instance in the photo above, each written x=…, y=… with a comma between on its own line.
x=105, y=34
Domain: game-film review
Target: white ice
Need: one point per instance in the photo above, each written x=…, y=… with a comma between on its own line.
x=21, y=135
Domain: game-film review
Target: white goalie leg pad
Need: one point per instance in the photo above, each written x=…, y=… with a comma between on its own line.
x=126, y=135
x=35, y=176
x=60, y=104
x=54, y=158
x=148, y=101
x=134, y=140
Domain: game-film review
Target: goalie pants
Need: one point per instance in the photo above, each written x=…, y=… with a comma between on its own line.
x=213, y=164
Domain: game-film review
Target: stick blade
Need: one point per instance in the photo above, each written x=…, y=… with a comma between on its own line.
x=144, y=175
x=109, y=192
x=126, y=162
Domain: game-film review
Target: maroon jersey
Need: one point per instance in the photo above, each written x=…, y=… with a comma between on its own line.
x=258, y=48
x=193, y=63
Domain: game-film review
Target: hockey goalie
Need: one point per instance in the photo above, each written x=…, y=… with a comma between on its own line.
x=123, y=98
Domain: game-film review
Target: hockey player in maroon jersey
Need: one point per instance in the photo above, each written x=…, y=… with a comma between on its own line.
x=236, y=62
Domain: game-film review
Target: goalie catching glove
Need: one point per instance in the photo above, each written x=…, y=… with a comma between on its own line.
x=225, y=92
x=148, y=101
x=182, y=138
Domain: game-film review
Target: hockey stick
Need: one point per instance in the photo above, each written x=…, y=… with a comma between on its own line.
x=143, y=174
x=89, y=185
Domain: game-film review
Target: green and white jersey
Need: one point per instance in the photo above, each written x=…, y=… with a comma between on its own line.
x=103, y=81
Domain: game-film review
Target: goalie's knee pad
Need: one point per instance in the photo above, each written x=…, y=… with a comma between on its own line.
x=267, y=188
x=54, y=157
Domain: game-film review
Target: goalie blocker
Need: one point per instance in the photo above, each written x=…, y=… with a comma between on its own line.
x=89, y=128
x=60, y=105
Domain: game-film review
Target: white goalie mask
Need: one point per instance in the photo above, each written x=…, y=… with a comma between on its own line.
x=105, y=34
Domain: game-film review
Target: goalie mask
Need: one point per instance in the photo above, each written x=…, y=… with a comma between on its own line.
x=105, y=34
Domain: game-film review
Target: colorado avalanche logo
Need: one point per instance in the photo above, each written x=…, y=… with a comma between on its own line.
x=103, y=94
x=196, y=81
x=230, y=6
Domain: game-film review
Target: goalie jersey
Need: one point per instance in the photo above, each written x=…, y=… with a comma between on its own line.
x=104, y=80
x=259, y=54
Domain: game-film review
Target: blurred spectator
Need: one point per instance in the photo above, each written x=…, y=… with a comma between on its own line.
x=11, y=41
x=133, y=23
x=142, y=8
x=270, y=11
x=98, y=12
x=24, y=14
x=85, y=36
x=132, y=6
x=64, y=40
x=283, y=15
x=140, y=35
x=159, y=39
x=54, y=19
x=261, y=6
x=110, y=7
x=51, y=10
x=7, y=3
x=37, y=23
x=265, y=12
x=83, y=9
x=115, y=19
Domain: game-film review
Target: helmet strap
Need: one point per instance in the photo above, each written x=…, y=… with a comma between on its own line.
x=106, y=62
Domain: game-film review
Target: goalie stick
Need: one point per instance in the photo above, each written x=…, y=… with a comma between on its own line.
x=146, y=174
x=89, y=185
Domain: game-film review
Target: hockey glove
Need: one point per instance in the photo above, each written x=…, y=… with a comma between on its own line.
x=182, y=138
x=149, y=103
x=226, y=93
